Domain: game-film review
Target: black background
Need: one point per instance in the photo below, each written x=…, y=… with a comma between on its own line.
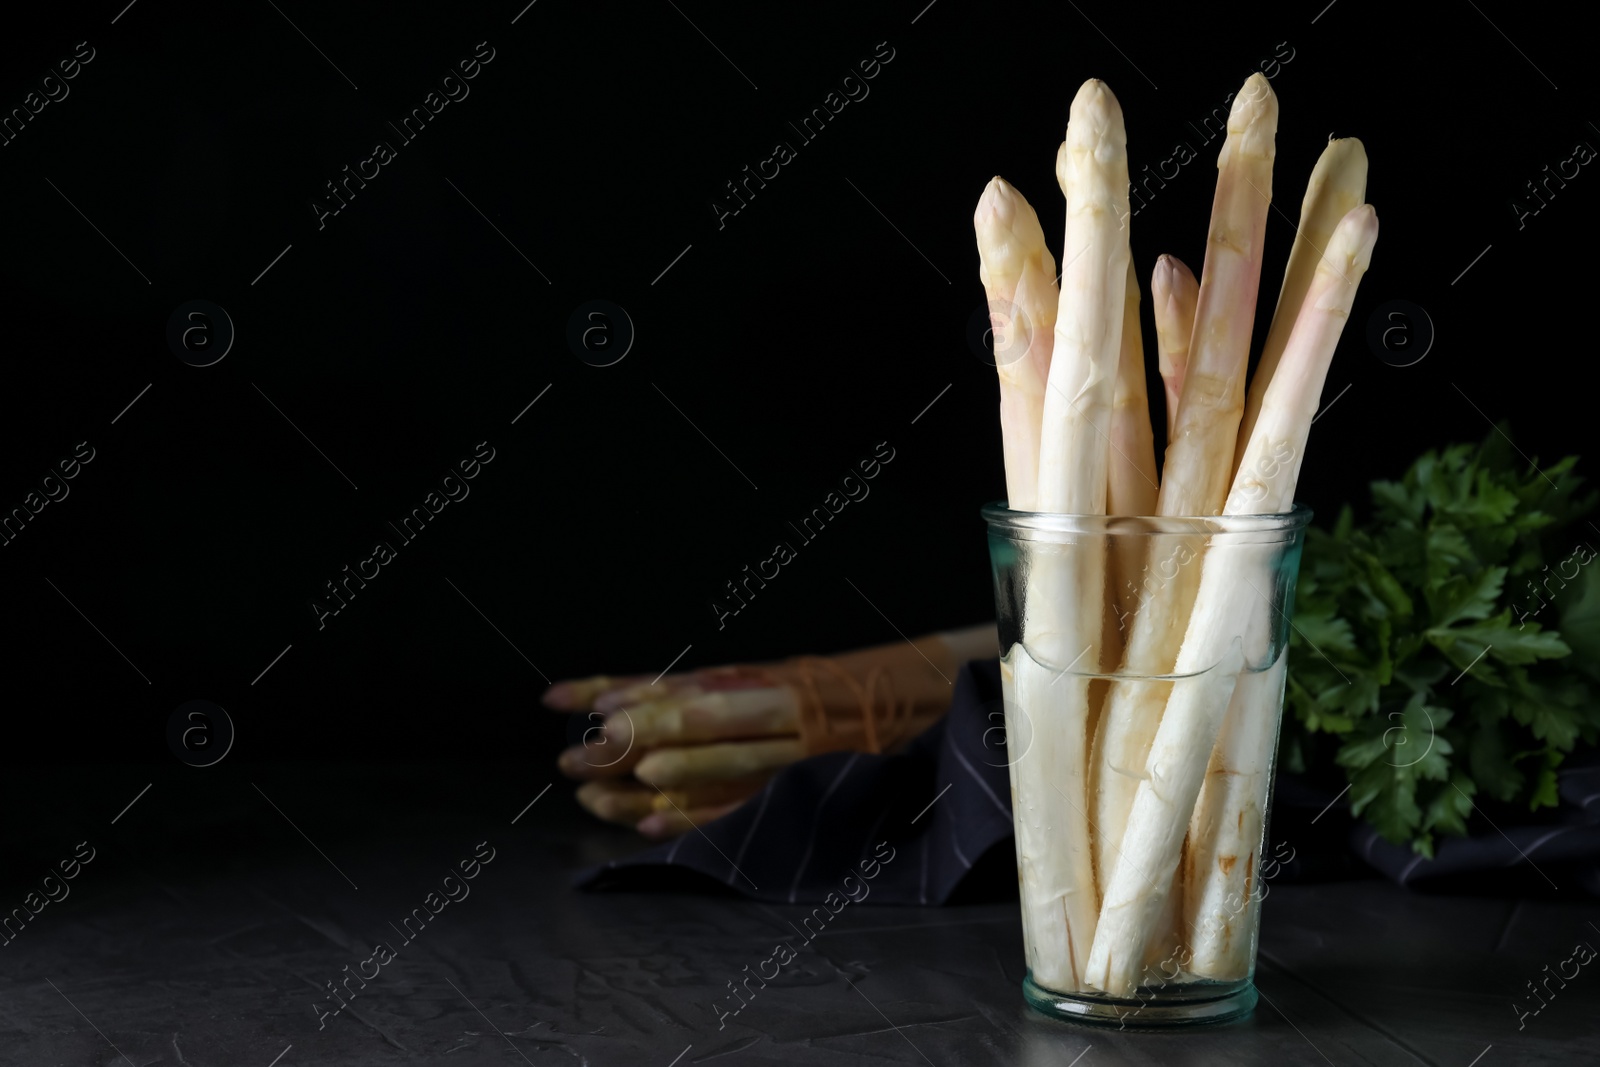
x=818, y=322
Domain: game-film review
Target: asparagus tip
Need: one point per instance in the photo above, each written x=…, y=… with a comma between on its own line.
x=1252, y=121
x=997, y=206
x=1353, y=239
x=1161, y=277
x=1095, y=131
x=1009, y=236
x=1254, y=102
x=560, y=697
x=1341, y=152
x=1095, y=112
x=1172, y=280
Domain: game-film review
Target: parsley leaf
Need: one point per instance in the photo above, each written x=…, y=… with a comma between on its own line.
x=1451, y=644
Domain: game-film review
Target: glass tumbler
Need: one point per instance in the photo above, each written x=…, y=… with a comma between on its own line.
x=1143, y=665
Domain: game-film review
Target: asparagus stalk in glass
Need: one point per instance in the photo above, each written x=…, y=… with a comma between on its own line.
x=1018, y=274
x=1173, y=292
x=1220, y=877
x=1063, y=614
x=1133, y=486
x=1231, y=624
x=1338, y=185
x=1227, y=824
x=1199, y=456
x=1133, y=491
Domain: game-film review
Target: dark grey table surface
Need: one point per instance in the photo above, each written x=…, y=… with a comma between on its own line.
x=216, y=909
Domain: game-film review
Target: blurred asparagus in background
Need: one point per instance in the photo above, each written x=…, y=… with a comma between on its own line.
x=676, y=752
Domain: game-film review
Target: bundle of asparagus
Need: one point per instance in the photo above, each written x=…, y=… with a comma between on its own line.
x=666, y=755
x=1113, y=787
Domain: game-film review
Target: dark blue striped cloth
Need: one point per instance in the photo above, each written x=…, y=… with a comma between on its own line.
x=1559, y=852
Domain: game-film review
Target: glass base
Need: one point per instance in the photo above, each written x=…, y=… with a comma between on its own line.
x=1150, y=1008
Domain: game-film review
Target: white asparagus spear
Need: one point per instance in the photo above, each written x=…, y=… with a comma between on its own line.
x=1338, y=184
x=1221, y=862
x=707, y=763
x=1063, y=613
x=1018, y=275
x=628, y=801
x=714, y=716
x=1132, y=487
x=1199, y=457
x=1226, y=826
x=671, y=822
x=1173, y=292
x=1232, y=622
x=1092, y=167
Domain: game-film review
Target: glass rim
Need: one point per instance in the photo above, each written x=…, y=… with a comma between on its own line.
x=1020, y=523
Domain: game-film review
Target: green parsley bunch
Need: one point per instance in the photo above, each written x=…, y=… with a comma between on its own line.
x=1450, y=646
